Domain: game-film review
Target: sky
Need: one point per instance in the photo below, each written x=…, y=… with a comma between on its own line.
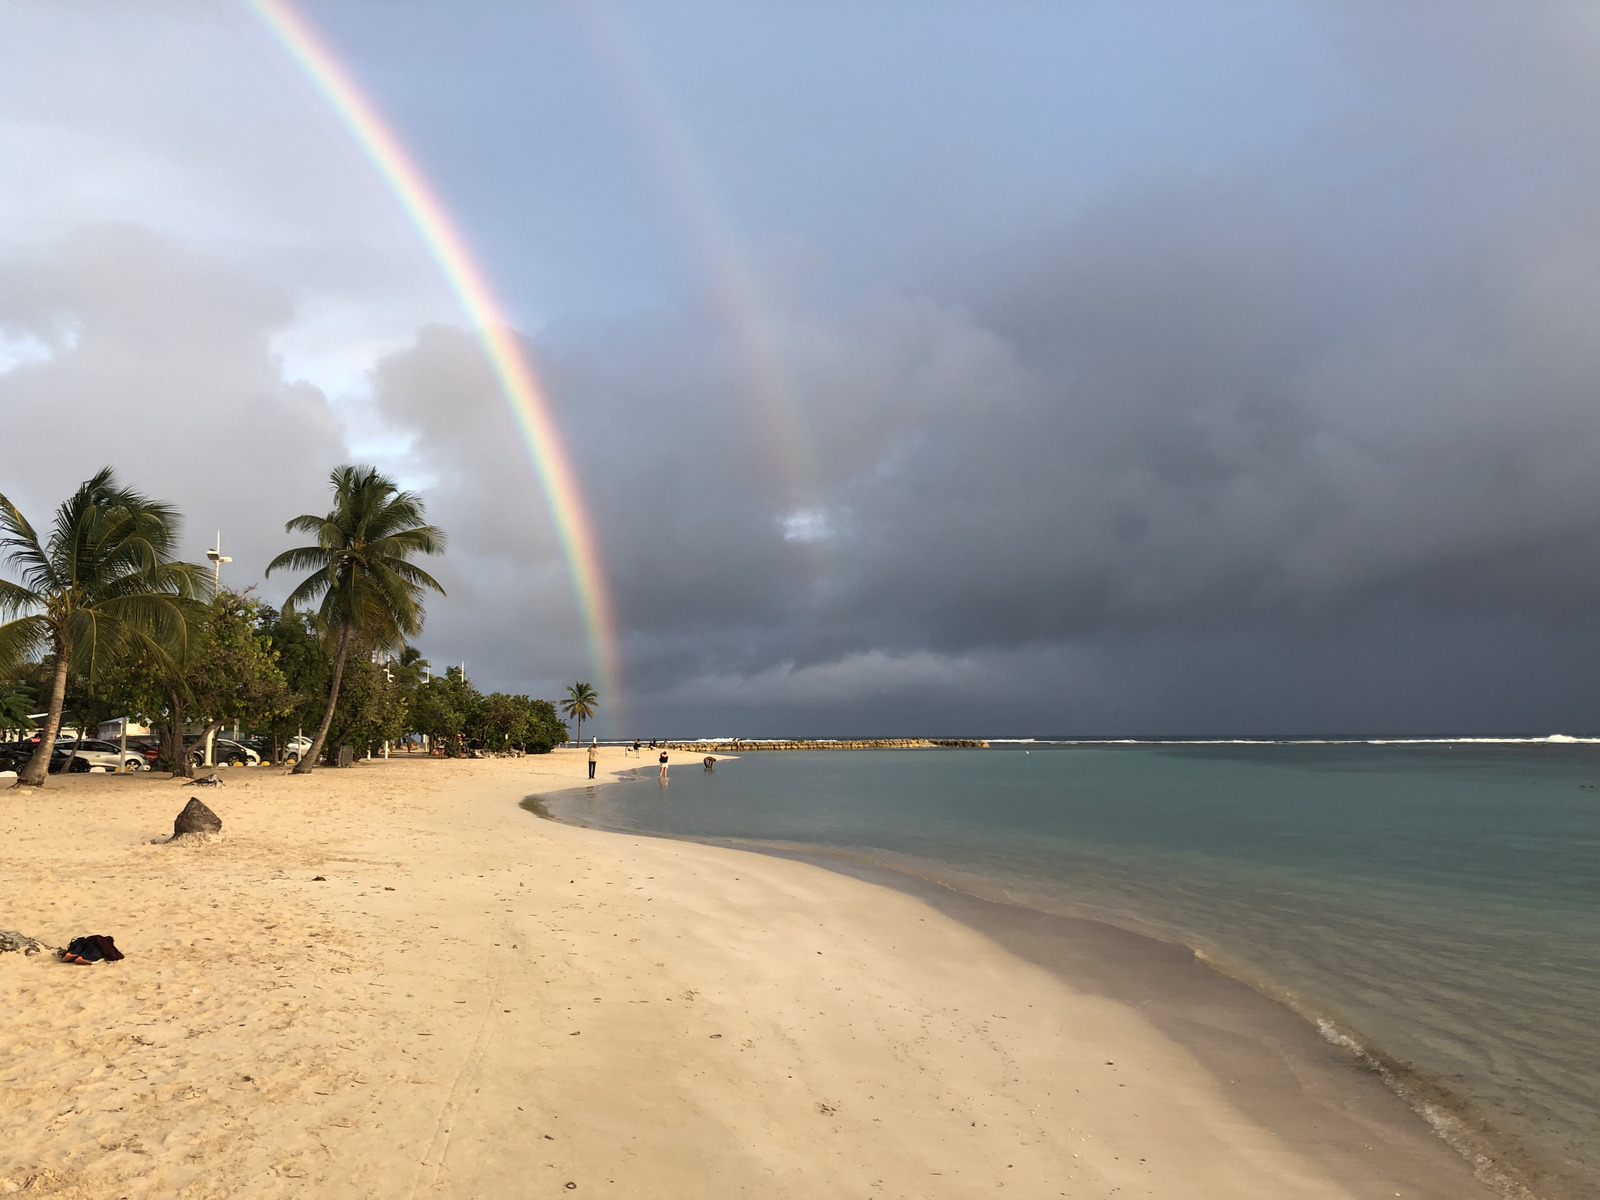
x=956, y=368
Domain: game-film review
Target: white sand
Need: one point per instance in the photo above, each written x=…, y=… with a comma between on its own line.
x=533, y=1006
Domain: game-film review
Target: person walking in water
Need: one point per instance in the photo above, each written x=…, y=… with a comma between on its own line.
x=663, y=761
x=594, y=755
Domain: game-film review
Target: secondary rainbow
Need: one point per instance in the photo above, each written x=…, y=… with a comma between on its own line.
x=484, y=314
x=746, y=309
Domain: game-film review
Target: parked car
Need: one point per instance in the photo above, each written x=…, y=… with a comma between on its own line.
x=225, y=751
x=15, y=755
x=150, y=747
x=262, y=746
x=94, y=753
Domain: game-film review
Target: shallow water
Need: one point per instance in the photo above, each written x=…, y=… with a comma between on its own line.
x=1441, y=902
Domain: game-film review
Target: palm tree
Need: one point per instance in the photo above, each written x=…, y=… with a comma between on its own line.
x=580, y=704
x=409, y=668
x=103, y=581
x=369, y=589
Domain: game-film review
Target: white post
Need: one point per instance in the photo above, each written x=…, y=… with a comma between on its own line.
x=123, y=764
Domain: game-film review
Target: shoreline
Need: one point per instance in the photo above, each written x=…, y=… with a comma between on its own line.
x=388, y=980
x=1056, y=941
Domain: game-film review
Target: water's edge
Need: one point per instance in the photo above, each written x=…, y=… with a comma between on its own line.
x=1168, y=980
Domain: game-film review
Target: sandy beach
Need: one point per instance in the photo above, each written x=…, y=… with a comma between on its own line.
x=472, y=1002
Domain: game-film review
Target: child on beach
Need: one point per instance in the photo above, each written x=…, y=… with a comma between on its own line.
x=663, y=761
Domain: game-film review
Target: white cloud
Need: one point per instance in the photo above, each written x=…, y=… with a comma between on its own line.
x=806, y=525
x=17, y=349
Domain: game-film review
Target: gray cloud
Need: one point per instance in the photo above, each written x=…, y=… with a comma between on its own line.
x=157, y=359
x=1323, y=395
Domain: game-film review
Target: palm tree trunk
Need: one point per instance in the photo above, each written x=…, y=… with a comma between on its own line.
x=308, y=761
x=172, y=738
x=200, y=744
x=33, y=775
x=77, y=742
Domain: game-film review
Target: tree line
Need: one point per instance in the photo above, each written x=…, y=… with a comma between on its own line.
x=105, y=621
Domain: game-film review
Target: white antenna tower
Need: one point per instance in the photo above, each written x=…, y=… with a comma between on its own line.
x=217, y=558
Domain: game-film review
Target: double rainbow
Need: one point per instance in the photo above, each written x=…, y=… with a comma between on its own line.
x=483, y=311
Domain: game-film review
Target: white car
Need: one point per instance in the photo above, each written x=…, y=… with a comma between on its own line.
x=95, y=753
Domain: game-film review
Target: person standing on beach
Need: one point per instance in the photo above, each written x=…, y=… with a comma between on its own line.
x=594, y=755
x=663, y=761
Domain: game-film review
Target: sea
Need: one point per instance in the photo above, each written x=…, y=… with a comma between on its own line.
x=1432, y=904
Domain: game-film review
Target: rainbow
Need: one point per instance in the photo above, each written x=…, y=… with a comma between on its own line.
x=484, y=314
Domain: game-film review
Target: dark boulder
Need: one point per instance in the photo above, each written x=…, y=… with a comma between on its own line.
x=196, y=818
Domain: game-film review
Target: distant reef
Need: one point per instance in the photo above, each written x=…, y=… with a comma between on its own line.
x=742, y=747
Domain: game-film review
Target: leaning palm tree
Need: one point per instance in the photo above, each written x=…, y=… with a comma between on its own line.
x=580, y=704
x=366, y=587
x=104, y=580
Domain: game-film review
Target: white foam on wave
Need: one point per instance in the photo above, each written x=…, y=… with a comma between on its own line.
x=1330, y=1033
x=1550, y=739
x=1554, y=738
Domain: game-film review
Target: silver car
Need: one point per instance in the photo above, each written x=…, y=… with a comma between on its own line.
x=95, y=753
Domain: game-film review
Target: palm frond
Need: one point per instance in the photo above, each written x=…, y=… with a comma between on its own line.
x=15, y=599
x=299, y=559
x=23, y=640
x=309, y=588
x=305, y=523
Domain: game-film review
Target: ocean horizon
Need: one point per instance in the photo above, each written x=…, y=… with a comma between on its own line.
x=1307, y=739
x=1430, y=903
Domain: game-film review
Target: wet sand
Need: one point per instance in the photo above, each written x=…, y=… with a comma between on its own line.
x=471, y=1002
x=1304, y=1088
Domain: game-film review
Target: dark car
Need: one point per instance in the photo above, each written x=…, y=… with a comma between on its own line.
x=225, y=751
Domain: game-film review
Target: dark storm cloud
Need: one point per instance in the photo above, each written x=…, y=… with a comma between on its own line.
x=1321, y=395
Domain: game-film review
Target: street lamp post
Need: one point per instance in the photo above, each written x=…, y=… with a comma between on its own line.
x=217, y=558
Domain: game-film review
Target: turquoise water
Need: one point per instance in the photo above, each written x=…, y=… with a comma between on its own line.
x=1441, y=904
